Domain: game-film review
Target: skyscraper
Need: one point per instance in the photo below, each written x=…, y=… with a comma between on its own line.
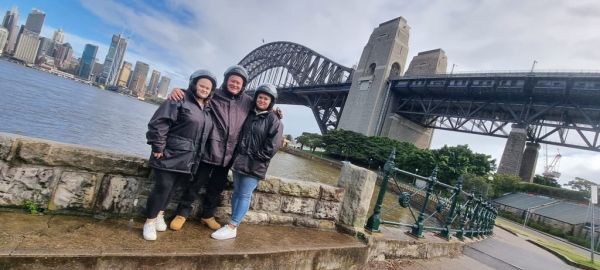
x=124, y=75
x=59, y=36
x=3, y=38
x=163, y=86
x=153, y=84
x=35, y=21
x=138, y=80
x=11, y=23
x=96, y=71
x=27, y=47
x=63, y=55
x=113, y=60
x=46, y=48
x=88, y=59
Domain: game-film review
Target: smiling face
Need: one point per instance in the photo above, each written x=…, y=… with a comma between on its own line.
x=235, y=84
x=263, y=101
x=203, y=88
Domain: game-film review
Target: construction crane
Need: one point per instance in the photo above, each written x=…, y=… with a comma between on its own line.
x=551, y=169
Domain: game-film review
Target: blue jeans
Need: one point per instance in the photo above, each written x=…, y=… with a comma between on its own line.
x=243, y=186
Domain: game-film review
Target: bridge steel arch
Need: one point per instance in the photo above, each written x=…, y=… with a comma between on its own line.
x=303, y=77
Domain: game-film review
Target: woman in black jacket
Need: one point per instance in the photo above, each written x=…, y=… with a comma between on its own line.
x=262, y=136
x=177, y=132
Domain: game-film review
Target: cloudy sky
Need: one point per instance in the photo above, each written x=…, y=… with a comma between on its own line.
x=179, y=36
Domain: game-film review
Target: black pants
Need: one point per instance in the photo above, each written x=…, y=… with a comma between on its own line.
x=164, y=181
x=215, y=180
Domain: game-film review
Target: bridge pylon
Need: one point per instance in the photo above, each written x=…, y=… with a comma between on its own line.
x=385, y=53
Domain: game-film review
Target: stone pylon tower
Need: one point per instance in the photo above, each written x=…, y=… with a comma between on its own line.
x=384, y=54
x=399, y=128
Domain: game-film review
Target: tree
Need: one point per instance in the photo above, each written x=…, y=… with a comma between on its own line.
x=303, y=139
x=546, y=181
x=504, y=183
x=453, y=161
x=289, y=137
x=580, y=184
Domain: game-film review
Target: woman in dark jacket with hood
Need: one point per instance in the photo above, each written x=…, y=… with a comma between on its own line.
x=177, y=132
x=262, y=136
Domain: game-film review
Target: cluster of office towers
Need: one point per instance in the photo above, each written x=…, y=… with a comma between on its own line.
x=24, y=43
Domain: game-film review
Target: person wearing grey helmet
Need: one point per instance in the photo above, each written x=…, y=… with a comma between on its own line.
x=178, y=133
x=230, y=105
x=262, y=136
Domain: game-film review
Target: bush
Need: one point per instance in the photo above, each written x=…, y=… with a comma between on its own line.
x=554, y=192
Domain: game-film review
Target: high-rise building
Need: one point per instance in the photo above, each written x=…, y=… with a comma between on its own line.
x=63, y=55
x=88, y=59
x=124, y=75
x=153, y=84
x=113, y=60
x=27, y=47
x=163, y=86
x=3, y=38
x=11, y=23
x=59, y=36
x=45, y=49
x=35, y=21
x=96, y=71
x=138, y=79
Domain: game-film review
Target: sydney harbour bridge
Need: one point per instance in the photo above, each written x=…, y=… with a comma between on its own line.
x=378, y=97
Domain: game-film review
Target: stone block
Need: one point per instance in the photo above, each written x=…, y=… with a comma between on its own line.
x=326, y=225
x=222, y=214
x=253, y=217
x=75, y=189
x=226, y=198
x=269, y=185
x=118, y=193
x=300, y=188
x=327, y=210
x=302, y=206
x=307, y=222
x=34, y=183
x=266, y=202
x=50, y=153
x=6, y=144
x=280, y=219
x=331, y=193
x=359, y=184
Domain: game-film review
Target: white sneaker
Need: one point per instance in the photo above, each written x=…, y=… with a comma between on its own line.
x=225, y=232
x=150, y=231
x=161, y=226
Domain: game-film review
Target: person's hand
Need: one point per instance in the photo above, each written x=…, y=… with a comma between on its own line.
x=157, y=155
x=278, y=112
x=176, y=94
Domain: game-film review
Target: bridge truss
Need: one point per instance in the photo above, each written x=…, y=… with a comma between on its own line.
x=556, y=108
x=303, y=77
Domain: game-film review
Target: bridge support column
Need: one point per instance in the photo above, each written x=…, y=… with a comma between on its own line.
x=510, y=163
x=529, y=161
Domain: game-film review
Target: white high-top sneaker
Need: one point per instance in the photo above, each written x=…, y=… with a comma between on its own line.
x=161, y=226
x=150, y=231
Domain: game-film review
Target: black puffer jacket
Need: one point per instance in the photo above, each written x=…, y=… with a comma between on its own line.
x=179, y=130
x=262, y=136
x=230, y=113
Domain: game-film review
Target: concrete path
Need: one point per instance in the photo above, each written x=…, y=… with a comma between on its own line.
x=34, y=242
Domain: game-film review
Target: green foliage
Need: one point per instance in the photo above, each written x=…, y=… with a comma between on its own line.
x=478, y=184
x=374, y=151
x=312, y=140
x=31, y=207
x=545, y=181
x=554, y=192
x=580, y=184
x=505, y=183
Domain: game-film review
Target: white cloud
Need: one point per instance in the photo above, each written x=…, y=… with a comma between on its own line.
x=476, y=35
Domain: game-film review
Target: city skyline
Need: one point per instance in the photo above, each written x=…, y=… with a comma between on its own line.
x=177, y=37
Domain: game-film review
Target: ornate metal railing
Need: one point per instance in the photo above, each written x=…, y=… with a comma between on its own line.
x=463, y=214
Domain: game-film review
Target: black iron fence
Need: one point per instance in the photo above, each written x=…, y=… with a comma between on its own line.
x=460, y=213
